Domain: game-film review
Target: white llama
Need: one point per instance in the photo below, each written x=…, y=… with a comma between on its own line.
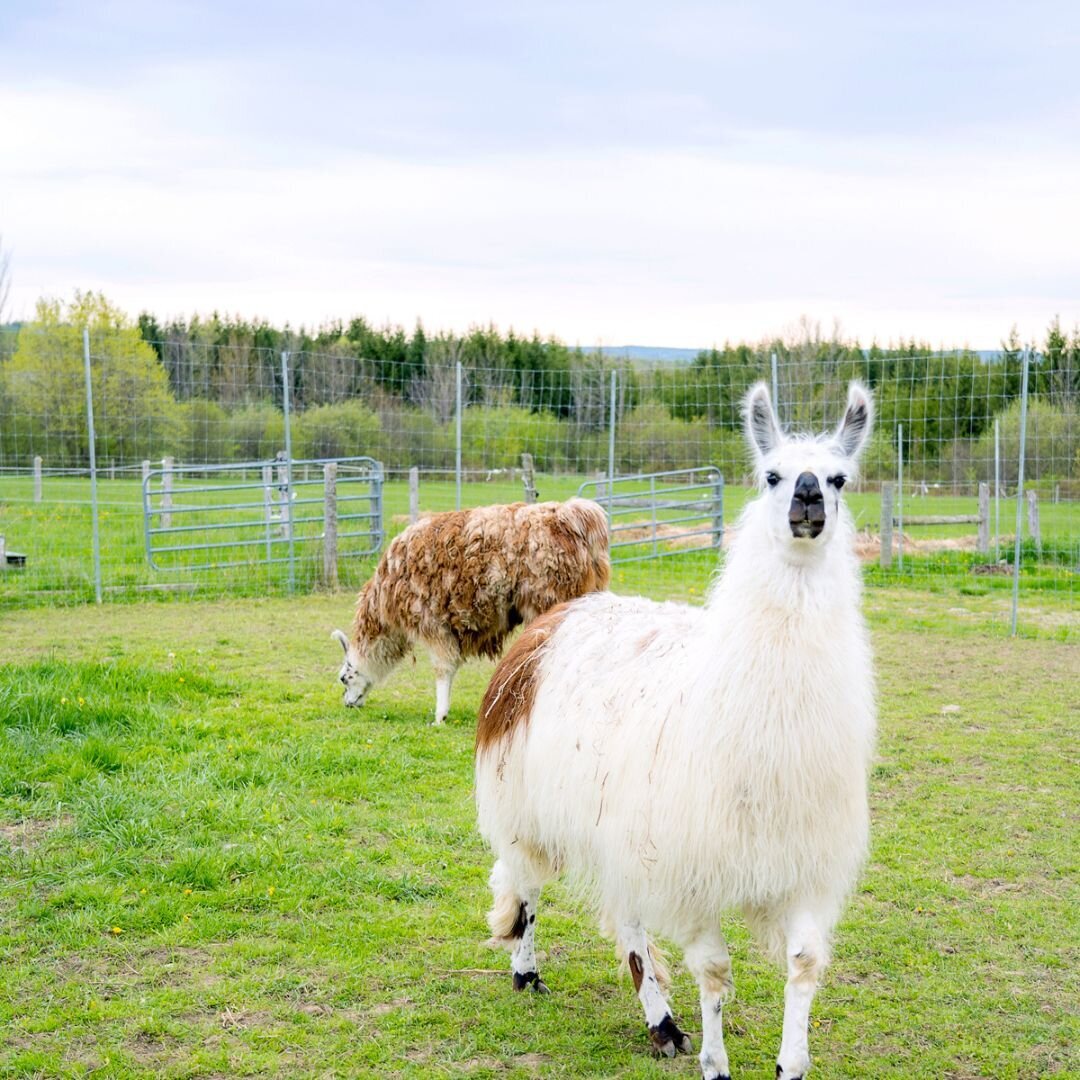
x=686, y=762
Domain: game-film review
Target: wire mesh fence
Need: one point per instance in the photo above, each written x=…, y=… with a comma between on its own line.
x=966, y=477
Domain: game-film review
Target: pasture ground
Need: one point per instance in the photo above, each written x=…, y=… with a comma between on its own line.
x=208, y=867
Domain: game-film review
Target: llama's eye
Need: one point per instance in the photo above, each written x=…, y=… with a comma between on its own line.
x=772, y=479
x=838, y=481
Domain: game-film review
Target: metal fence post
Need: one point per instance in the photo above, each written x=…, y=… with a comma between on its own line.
x=37, y=479
x=775, y=386
x=1020, y=490
x=330, y=575
x=92, y=436
x=611, y=440
x=899, y=496
x=997, y=489
x=457, y=440
x=287, y=509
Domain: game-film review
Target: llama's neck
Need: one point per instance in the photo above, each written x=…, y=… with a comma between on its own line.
x=764, y=574
x=379, y=646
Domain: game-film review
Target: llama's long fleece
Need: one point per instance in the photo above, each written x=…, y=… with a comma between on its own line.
x=692, y=760
x=461, y=581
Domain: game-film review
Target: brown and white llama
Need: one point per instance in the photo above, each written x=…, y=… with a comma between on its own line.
x=460, y=582
x=686, y=762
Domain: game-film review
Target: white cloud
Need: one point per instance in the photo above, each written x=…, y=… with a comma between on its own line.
x=680, y=248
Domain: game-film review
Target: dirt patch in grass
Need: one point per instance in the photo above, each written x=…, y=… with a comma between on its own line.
x=671, y=536
x=25, y=835
x=117, y=973
x=867, y=544
x=155, y=1050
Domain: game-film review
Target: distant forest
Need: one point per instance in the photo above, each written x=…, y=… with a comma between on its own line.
x=213, y=389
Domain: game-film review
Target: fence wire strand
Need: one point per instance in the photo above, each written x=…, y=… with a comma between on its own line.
x=577, y=421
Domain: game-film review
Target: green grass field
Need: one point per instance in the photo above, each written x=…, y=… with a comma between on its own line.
x=208, y=867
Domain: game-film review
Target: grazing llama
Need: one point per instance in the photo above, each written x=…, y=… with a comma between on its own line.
x=685, y=762
x=460, y=582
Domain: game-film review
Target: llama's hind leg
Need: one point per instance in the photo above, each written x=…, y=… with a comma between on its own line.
x=648, y=975
x=807, y=956
x=708, y=960
x=513, y=923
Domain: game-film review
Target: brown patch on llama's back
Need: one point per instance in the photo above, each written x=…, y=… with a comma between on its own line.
x=508, y=700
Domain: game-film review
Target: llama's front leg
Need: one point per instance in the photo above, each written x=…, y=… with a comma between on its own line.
x=664, y=1034
x=444, y=676
x=708, y=960
x=807, y=956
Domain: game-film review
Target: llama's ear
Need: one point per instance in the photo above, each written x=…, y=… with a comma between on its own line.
x=337, y=635
x=761, y=427
x=854, y=429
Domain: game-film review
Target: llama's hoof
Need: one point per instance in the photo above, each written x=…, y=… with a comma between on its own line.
x=437, y=722
x=781, y=1075
x=716, y=1076
x=530, y=980
x=668, y=1040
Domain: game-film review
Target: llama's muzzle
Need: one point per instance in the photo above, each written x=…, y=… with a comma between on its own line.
x=806, y=515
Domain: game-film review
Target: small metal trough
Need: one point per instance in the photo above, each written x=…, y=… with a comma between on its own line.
x=12, y=559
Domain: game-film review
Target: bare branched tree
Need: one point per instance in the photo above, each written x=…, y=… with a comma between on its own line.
x=5, y=280
x=436, y=390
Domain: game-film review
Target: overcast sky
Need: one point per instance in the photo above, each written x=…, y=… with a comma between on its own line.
x=659, y=174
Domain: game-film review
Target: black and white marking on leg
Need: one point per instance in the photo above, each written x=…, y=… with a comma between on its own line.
x=668, y=1039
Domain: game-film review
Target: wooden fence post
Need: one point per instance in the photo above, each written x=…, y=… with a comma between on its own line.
x=284, y=509
x=1033, y=521
x=718, y=512
x=37, y=478
x=166, y=492
x=984, y=518
x=268, y=507
x=3, y=552
x=145, y=470
x=528, y=478
x=886, y=525
x=330, y=574
x=414, y=495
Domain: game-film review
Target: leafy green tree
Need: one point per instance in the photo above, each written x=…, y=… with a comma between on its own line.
x=347, y=429
x=1050, y=449
x=134, y=412
x=1061, y=355
x=203, y=433
x=257, y=432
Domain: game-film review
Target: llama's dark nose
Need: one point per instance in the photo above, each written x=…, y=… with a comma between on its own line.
x=807, y=511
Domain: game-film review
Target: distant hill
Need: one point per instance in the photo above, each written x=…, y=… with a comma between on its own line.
x=661, y=353
x=642, y=352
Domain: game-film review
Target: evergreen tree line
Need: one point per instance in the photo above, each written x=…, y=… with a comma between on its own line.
x=212, y=389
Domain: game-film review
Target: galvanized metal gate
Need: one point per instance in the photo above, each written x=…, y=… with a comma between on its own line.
x=259, y=513
x=656, y=515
